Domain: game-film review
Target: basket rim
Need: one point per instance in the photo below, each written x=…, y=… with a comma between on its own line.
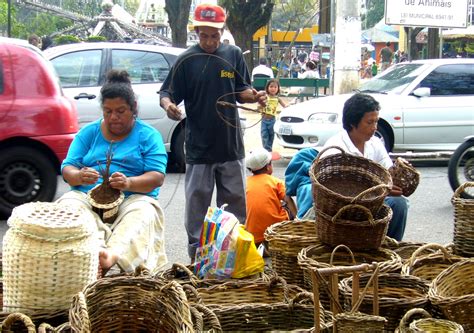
x=110, y=205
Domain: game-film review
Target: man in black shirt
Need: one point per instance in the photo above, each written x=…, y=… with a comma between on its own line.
x=215, y=153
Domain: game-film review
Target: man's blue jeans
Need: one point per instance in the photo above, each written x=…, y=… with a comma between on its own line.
x=399, y=206
x=268, y=133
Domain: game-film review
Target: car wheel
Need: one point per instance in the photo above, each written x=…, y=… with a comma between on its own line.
x=177, y=158
x=382, y=133
x=461, y=167
x=25, y=175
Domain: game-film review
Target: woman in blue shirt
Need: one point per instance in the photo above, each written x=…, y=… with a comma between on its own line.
x=138, y=168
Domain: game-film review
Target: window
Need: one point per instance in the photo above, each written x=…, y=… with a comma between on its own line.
x=450, y=80
x=143, y=67
x=79, y=69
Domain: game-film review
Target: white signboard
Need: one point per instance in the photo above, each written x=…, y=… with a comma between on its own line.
x=427, y=13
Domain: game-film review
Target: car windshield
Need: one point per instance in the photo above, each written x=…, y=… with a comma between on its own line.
x=395, y=80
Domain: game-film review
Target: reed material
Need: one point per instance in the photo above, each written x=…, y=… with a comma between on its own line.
x=463, y=222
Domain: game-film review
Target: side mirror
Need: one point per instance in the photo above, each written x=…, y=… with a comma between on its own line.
x=422, y=92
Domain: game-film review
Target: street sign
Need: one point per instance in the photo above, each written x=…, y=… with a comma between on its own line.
x=427, y=13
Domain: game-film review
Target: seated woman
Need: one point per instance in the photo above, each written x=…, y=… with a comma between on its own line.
x=138, y=168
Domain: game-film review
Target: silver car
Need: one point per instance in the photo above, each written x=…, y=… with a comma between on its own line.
x=426, y=105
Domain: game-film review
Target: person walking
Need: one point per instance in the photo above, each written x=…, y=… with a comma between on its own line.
x=205, y=73
x=386, y=55
x=272, y=88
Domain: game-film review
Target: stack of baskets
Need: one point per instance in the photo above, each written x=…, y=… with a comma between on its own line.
x=463, y=222
x=348, y=193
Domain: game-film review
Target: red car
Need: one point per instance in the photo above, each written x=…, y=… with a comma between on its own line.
x=37, y=125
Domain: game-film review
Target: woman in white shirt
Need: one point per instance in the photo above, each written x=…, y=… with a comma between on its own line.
x=309, y=73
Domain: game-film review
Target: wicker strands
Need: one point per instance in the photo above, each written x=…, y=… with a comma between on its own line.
x=463, y=222
x=359, y=322
x=429, y=266
x=452, y=292
x=109, y=211
x=285, y=241
x=24, y=323
x=397, y=294
x=404, y=176
x=125, y=303
x=426, y=323
x=342, y=179
x=50, y=252
x=258, y=305
x=358, y=235
x=405, y=249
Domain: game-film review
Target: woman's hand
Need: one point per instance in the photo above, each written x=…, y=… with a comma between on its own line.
x=120, y=182
x=88, y=175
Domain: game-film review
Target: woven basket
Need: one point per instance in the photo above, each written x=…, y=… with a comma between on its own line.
x=131, y=303
x=107, y=212
x=426, y=324
x=452, y=292
x=54, y=250
x=429, y=266
x=204, y=319
x=463, y=222
x=405, y=249
x=259, y=305
x=358, y=322
x=397, y=294
x=285, y=241
x=342, y=179
x=321, y=256
x=358, y=235
x=404, y=176
x=17, y=322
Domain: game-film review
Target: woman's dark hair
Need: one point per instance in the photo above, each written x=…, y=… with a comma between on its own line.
x=311, y=65
x=355, y=108
x=118, y=84
x=271, y=81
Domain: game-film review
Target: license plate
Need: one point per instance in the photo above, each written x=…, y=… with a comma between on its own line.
x=285, y=130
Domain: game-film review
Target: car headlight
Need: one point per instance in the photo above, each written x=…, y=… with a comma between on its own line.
x=323, y=118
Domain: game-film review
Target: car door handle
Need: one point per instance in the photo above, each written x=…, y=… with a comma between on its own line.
x=84, y=95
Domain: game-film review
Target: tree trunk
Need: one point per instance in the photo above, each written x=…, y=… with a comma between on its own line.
x=412, y=45
x=178, y=14
x=433, y=43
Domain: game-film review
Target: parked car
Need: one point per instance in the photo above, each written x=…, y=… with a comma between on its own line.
x=426, y=105
x=37, y=125
x=82, y=69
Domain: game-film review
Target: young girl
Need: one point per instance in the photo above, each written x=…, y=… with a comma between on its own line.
x=269, y=112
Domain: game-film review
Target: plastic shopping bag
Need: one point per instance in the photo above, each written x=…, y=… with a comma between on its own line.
x=247, y=259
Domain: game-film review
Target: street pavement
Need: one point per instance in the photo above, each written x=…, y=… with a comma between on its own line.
x=430, y=217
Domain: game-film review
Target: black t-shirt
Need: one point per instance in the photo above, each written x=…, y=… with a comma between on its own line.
x=201, y=79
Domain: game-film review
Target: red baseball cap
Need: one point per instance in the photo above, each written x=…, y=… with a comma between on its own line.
x=207, y=15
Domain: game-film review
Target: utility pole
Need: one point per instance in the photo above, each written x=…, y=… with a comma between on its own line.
x=9, y=18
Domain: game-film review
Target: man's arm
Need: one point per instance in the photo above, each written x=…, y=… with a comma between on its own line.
x=172, y=111
x=251, y=95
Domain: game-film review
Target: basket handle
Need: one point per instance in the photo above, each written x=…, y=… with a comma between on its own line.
x=208, y=317
x=45, y=327
x=274, y=281
x=406, y=318
x=419, y=250
x=180, y=267
x=369, y=190
x=14, y=317
x=78, y=314
x=461, y=189
x=342, y=246
x=193, y=291
x=364, y=209
x=326, y=149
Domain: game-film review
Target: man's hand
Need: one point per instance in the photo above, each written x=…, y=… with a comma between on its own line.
x=260, y=97
x=173, y=112
x=395, y=191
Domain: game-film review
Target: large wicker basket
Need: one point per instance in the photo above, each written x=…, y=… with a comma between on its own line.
x=452, y=292
x=50, y=252
x=463, y=222
x=426, y=323
x=358, y=235
x=259, y=305
x=397, y=294
x=404, y=249
x=342, y=179
x=321, y=256
x=127, y=303
x=404, y=176
x=285, y=240
x=358, y=322
x=429, y=266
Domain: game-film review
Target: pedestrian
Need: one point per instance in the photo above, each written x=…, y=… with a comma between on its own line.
x=34, y=40
x=360, y=116
x=310, y=73
x=386, y=55
x=46, y=42
x=262, y=70
x=137, y=168
x=272, y=88
x=374, y=68
x=295, y=67
x=267, y=202
x=205, y=73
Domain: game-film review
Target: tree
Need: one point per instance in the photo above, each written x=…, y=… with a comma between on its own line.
x=293, y=14
x=244, y=18
x=178, y=16
x=375, y=12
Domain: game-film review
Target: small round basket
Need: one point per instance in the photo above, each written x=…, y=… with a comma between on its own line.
x=452, y=291
x=342, y=179
x=359, y=322
x=285, y=240
x=429, y=266
x=108, y=211
x=463, y=226
x=357, y=235
x=397, y=294
x=404, y=176
x=426, y=323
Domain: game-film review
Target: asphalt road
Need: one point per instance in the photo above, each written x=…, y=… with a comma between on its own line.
x=430, y=217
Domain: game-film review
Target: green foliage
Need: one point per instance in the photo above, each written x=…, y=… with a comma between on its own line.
x=94, y=39
x=292, y=15
x=17, y=29
x=375, y=12
x=131, y=6
x=66, y=39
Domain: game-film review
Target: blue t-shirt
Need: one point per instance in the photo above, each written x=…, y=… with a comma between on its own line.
x=141, y=151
